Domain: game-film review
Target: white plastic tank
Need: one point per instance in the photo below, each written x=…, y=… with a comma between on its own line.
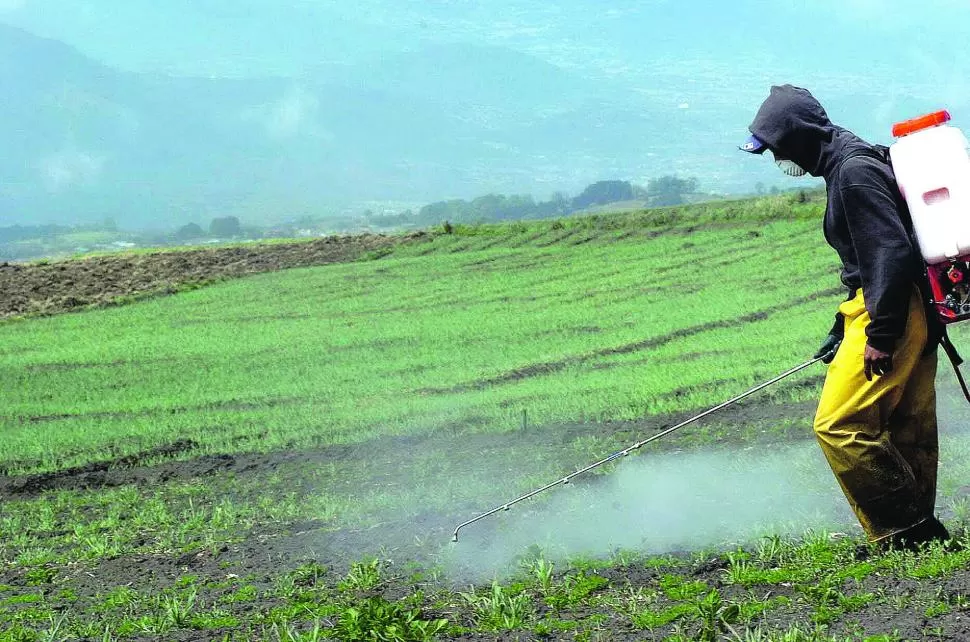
x=932, y=166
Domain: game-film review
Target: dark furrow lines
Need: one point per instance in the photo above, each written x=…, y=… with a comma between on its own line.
x=552, y=367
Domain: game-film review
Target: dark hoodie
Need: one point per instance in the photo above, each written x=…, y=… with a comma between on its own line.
x=866, y=220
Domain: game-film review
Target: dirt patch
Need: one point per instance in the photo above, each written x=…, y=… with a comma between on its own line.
x=88, y=476
x=42, y=289
x=135, y=470
x=145, y=468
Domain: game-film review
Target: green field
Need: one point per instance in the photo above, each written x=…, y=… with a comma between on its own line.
x=585, y=320
x=206, y=445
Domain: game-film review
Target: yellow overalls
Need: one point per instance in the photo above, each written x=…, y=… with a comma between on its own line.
x=880, y=436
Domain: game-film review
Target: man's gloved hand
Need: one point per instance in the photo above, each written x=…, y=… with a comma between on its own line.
x=828, y=348
x=877, y=362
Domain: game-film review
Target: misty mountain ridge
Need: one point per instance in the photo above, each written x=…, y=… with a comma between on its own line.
x=86, y=142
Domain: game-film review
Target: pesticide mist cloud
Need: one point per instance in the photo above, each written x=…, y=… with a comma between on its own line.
x=689, y=501
x=669, y=502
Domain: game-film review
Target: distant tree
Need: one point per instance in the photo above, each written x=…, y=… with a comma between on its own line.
x=488, y=206
x=389, y=220
x=188, y=232
x=669, y=190
x=603, y=192
x=109, y=225
x=225, y=227
x=483, y=208
x=22, y=233
x=759, y=188
x=559, y=203
x=499, y=206
x=435, y=213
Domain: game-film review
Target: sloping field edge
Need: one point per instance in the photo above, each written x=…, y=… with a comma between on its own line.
x=43, y=289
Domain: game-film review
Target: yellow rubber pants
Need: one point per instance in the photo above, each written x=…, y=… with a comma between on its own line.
x=880, y=436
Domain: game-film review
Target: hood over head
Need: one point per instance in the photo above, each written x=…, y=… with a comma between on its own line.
x=795, y=126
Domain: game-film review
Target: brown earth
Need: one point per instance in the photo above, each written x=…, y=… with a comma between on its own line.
x=393, y=451
x=28, y=289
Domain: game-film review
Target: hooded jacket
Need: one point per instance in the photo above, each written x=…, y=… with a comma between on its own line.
x=866, y=219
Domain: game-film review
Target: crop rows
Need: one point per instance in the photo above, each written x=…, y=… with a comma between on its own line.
x=457, y=341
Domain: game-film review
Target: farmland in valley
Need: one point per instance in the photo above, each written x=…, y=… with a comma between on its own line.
x=285, y=455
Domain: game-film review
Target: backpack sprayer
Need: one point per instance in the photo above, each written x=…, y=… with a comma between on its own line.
x=627, y=451
x=931, y=161
x=932, y=167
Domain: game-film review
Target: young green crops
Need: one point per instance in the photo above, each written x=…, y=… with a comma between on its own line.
x=607, y=318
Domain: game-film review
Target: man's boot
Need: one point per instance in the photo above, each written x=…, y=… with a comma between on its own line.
x=916, y=537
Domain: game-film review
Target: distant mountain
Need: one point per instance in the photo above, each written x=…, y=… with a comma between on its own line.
x=83, y=142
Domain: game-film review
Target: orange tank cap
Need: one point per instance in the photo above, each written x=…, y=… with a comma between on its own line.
x=923, y=122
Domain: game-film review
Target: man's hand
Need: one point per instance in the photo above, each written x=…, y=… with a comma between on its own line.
x=877, y=362
x=828, y=348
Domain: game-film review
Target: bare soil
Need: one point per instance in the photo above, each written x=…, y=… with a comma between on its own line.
x=28, y=289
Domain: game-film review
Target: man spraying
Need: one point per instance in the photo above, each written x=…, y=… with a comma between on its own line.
x=876, y=419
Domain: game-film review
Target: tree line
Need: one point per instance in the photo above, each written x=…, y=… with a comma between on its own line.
x=15, y=233
x=659, y=192
x=221, y=227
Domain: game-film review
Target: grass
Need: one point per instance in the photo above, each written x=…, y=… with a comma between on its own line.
x=389, y=395
x=461, y=334
x=667, y=602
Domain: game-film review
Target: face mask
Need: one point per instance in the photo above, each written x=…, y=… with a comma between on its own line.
x=790, y=167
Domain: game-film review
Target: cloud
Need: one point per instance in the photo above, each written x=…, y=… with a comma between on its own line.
x=894, y=14
x=70, y=168
x=293, y=115
x=11, y=5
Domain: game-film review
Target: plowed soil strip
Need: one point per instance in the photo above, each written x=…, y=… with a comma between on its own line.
x=63, y=286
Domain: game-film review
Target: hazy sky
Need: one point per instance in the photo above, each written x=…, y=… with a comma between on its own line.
x=917, y=46
x=622, y=38
x=911, y=47
x=701, y=65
